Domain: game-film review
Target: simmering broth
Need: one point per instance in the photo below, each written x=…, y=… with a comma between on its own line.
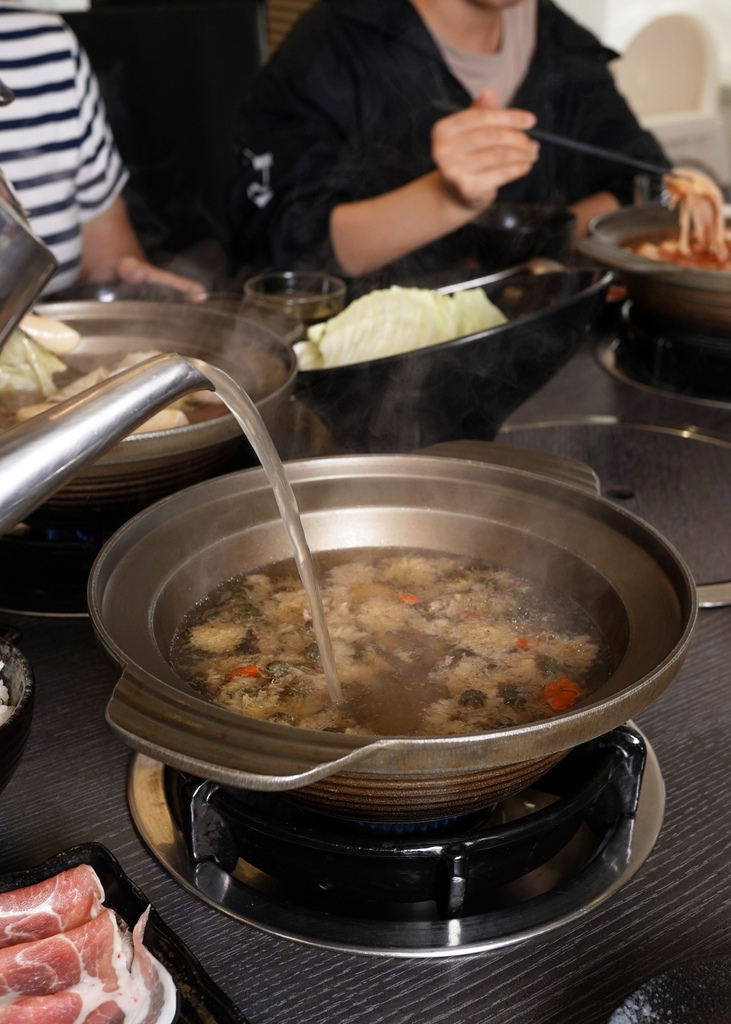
x=658, y=246
x=425, y=644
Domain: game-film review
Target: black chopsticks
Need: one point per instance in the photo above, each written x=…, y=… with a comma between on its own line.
x=447, y=107
x=605, y=154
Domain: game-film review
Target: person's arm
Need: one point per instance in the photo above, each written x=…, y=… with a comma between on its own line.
x=111, y=251
x=105, y=240
x=109, y=246
x=475, y=151
x=592, y=206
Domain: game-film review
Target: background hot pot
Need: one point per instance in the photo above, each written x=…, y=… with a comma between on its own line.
x=144, y=467
x=666, y=290
x=620, y=571
x=48, y=556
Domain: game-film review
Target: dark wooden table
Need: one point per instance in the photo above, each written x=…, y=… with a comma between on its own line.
x=70, y=789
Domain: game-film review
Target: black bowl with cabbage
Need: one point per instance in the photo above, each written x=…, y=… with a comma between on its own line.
x=466, y=387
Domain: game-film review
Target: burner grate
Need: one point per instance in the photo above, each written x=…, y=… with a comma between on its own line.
x=443, y=910
x=670, y=357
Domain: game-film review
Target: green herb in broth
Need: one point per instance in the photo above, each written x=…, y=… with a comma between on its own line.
x=425, y=645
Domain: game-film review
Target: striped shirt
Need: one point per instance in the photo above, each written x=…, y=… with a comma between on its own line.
x=56, y=147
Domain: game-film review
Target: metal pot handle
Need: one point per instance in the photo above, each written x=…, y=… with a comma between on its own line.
x=557, y=467
x=198, y=737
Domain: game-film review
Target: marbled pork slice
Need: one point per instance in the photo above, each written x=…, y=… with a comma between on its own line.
x=93, y=974
x=62, y=1008
x=55, y=905
x=149, y=975
x=62, y=961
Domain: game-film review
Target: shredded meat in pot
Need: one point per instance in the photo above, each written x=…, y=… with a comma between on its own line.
x=703, y=240
x=700, y=204
x=426, y=644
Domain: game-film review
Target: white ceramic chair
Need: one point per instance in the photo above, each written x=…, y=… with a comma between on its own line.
x=669, y=76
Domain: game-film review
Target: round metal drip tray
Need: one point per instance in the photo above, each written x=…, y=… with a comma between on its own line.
x=674, y=478
x=584, y=873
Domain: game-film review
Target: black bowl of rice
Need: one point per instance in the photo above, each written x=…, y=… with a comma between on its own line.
x=17, y=691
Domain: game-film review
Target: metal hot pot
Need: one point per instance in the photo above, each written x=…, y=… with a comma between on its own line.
x=694, y=296
x=143, y=467
x=533, y=513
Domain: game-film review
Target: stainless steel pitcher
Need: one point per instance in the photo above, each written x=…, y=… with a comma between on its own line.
x=39, y=456
x=26, y=264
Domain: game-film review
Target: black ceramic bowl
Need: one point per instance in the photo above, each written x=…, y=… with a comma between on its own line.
x=696, y=992
x=509, y=233
x=18, y=677
x=463, y=388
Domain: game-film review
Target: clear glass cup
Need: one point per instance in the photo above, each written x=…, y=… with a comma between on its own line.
x=648, y=188
x=306, y=296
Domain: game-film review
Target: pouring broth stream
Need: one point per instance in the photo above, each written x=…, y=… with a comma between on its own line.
x=247, y=415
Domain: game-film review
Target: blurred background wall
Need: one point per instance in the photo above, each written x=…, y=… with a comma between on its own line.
x=616, y=22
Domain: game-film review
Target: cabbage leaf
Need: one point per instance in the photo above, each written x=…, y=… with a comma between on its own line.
x=27, y=366
x=393, y=320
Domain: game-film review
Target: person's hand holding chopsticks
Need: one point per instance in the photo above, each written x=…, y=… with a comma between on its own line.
x=482, y=147
x=475, y=151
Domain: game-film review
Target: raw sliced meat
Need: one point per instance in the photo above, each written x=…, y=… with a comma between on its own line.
x=47, y=908
x=149, y=975
x=96, y=973
x=95, y=952
x=63, y=1008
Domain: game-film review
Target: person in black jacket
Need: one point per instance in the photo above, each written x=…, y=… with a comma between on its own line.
x=349, y=162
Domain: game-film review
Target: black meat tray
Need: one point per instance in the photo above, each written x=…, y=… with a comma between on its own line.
x=200, y=1000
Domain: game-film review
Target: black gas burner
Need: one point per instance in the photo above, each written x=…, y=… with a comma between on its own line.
x=47, y=559
x=46, y=565
x=679, y=359
x=526, y=866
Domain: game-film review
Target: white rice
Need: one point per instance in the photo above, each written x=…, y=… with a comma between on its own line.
x=5, y=706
